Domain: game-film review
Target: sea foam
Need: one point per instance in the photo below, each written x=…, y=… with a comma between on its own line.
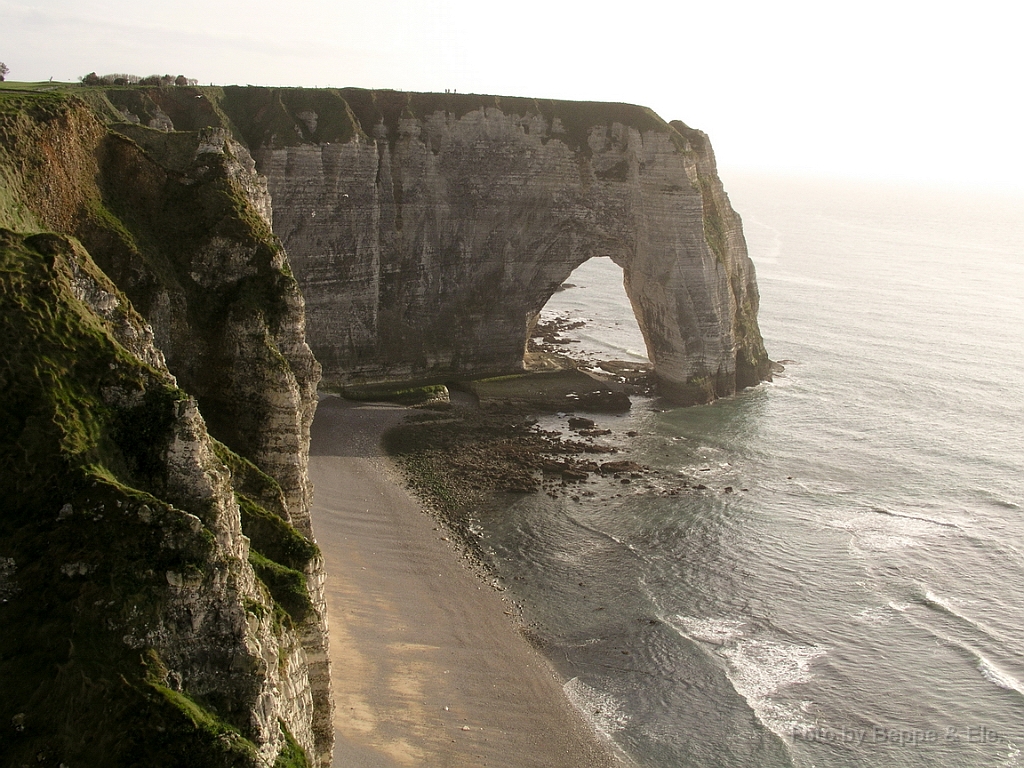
x=761, y=668
x=600, y=708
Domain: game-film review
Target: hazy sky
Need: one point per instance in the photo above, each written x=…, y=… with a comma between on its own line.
x=909, y=91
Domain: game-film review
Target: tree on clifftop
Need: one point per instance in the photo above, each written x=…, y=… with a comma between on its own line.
x=3, y=71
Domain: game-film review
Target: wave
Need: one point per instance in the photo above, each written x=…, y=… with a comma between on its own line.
x=1012, y=755
x=948, y=607
x=878, y=616
x=604, y=535
x=756, y=668
x=994, y=674
x=877, y=529
x=997, y=500
x=878, y=541
x=601, y=709
x=921, y=518
x=761, y=668
x=714, y=631
x=596, y=344
x=989, y=669
x=795, y=279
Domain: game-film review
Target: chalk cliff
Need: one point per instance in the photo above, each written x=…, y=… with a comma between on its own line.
x=161, y=597
x=427, y=231
x=161, y=594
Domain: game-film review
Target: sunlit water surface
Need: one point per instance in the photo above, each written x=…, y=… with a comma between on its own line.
x=857, y=599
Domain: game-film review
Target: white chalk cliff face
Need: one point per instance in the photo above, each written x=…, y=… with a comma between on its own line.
x=426, y=243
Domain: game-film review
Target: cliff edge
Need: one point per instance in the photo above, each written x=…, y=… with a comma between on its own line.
x=427, y=231
x=161, y=596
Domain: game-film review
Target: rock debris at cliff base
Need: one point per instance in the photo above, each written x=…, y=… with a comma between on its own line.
x=473, y=453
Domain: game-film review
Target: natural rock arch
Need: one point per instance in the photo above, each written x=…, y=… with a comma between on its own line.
x=424, y=252
x=594, y=296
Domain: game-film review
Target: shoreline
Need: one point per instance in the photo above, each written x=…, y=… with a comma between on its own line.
x=428, y=664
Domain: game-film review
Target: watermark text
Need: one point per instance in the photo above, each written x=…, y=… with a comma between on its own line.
x=900, y=737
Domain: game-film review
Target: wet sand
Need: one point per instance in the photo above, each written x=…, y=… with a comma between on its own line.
x=428, y=667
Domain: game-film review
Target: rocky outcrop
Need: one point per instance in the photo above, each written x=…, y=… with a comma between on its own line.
x=226, y=312
x=428, y=231
x=163, y=596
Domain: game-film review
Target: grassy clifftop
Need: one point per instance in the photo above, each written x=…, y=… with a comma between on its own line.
x=278, y=116
x=282, y=116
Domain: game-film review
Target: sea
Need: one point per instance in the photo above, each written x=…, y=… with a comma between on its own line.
x=826, y=570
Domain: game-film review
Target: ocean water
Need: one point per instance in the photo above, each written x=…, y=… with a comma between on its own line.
x=847, y=589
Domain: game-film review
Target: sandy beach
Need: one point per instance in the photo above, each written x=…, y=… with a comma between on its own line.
x=428, y=667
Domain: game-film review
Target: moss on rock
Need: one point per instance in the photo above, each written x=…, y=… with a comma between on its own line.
x=103, y=541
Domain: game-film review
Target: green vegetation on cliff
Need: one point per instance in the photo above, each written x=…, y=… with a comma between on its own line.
x=278, y=553
x=155, y=210
x=83, y=529
x=101, y=544
x=283, y=117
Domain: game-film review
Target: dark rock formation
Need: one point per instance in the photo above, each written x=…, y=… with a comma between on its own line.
x=139, y=625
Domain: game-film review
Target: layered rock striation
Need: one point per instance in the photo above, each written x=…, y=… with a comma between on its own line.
x=427, y=231
x=161, y=593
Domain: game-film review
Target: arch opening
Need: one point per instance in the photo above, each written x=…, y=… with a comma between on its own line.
x=590, y=320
